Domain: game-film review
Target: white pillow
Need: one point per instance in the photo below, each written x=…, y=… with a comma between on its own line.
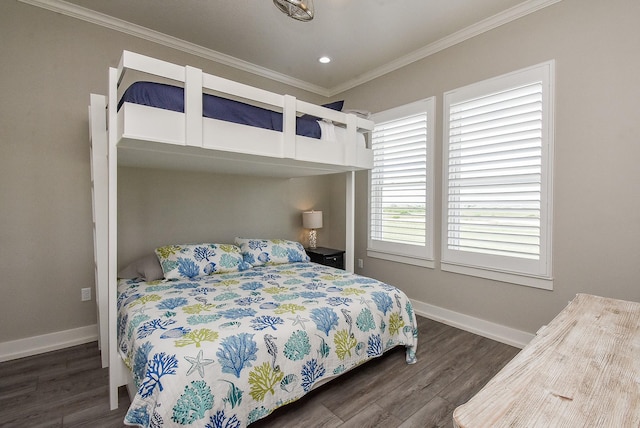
x=360, y=113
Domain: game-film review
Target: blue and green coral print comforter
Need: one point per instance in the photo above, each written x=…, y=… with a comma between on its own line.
x=226, y=350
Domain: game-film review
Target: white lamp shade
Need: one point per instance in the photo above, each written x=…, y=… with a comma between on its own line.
x=312, y=219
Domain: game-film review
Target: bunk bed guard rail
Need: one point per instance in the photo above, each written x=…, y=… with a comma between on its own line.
x=193, y=132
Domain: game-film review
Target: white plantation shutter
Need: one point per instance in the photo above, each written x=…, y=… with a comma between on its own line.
x=495, y=150
x=398, y=180
x=497, y=175
x=401, y=183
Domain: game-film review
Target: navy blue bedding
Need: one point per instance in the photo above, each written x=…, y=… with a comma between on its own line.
x=170, y=97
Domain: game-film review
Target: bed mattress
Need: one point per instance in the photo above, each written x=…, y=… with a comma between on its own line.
x=226, y=350
x=170, y=97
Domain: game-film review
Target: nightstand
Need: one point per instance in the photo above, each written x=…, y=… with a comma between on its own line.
x=326, y=256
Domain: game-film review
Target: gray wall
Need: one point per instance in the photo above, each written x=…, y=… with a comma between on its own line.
x=596, y=222
x=50, y=65
x=160, y=207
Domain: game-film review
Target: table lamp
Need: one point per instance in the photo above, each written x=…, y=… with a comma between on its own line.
x=312, y=220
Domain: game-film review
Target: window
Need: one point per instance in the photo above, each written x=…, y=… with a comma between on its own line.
x=498, y=149
x=401, y=185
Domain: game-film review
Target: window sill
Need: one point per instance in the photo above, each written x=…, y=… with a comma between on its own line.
x=400, y=258
x=513, y=278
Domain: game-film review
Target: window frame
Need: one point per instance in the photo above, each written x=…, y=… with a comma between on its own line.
x=533, y=273
x=417, y=255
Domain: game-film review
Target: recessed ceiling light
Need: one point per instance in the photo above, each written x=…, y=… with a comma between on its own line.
x=324, y=59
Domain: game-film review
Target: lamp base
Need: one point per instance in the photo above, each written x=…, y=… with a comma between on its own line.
x=312, y=239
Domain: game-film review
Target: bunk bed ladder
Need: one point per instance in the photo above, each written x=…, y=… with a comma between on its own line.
x=99, y=196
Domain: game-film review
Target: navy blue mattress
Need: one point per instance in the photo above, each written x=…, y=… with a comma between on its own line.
x=172, y=98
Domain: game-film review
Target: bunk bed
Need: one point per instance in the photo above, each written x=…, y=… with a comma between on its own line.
x=265, y=312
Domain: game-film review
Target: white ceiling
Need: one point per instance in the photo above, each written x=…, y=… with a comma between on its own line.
x=364, y=38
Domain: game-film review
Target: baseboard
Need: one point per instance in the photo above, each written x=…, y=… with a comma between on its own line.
x=498, y=332
x=47, y=342
x=63, y=339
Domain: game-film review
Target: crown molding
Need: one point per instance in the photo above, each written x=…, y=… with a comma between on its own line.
x=476, y=29
x=78, y=12
x=88, y=15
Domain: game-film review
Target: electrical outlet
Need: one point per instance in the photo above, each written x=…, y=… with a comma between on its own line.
x=360, y=264
x=85, y=294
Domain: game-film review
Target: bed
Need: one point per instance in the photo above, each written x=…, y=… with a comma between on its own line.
x=184, y=137
x=171, y=97
x=129, y=132
x=227, y=349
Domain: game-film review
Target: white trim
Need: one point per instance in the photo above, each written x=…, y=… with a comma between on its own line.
x=476, y=29
x=471, y=31
x=496, y=275
x=135, y=30
x=418, y=255
x=401, y=258
x=488, y=329
x=528, y=272
x=26, y=347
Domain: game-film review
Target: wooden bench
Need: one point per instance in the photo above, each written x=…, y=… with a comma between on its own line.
x=581, y=370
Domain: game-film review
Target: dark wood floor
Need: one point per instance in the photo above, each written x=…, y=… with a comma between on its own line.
x=68, y=388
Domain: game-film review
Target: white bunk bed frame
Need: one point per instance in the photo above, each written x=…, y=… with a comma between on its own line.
x=144, y=136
